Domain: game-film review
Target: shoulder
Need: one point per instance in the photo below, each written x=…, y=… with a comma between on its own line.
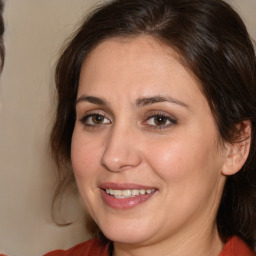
x=91, y=247
x=236, y=247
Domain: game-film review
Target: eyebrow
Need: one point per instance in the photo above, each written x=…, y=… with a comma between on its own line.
x=139, y=102
x=156, y=99
x=91, y=99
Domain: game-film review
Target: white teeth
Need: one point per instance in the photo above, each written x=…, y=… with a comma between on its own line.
x=135, y=192
x=128, y=192
x=142, y=191
x=117, y=193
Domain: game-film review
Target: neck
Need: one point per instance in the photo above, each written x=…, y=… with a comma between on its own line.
x=203, y=242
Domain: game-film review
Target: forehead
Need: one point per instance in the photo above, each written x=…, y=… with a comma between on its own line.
x=137, y=67
x=126, y=47
x=139, y=60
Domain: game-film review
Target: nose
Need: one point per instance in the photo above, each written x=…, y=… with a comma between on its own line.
x=121, y=151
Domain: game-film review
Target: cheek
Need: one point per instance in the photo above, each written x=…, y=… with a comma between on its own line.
x=180, y=159
x=189, y=173
x=84, y=154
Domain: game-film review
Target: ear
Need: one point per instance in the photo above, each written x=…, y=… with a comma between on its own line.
x=238, y=151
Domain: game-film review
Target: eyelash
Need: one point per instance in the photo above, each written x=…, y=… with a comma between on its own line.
x=85, y=118
x=172, y=121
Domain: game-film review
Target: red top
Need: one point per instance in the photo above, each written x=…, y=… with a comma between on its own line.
x=93, y=247
x=234, y=247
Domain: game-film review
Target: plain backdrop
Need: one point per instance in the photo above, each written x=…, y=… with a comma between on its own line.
x=35, y=31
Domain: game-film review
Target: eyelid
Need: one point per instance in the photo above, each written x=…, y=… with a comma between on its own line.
x=92, y=113
x=173, y=120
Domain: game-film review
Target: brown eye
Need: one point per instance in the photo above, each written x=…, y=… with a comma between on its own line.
x=97, y=119
x=160, y=120
x=94, y=120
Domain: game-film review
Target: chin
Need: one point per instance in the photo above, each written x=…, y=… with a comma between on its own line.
x=127, y=233
x=125, y=237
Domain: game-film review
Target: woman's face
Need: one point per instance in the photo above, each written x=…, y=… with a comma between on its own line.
x=145, y=148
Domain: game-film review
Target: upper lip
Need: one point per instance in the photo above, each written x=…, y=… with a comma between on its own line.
x=122, y=186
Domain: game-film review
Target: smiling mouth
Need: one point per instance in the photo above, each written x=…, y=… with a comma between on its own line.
x=124, y=196
x=128, y=193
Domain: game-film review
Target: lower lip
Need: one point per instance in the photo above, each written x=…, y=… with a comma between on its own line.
x=124, y=203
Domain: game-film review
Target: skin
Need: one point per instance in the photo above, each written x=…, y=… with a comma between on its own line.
x=180, y=156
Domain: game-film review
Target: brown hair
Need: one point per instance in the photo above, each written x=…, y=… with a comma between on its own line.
x=214, y=44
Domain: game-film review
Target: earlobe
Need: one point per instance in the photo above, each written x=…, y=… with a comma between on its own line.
x=238, y=151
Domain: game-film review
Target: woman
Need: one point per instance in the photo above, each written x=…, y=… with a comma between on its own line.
x=157, y=115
